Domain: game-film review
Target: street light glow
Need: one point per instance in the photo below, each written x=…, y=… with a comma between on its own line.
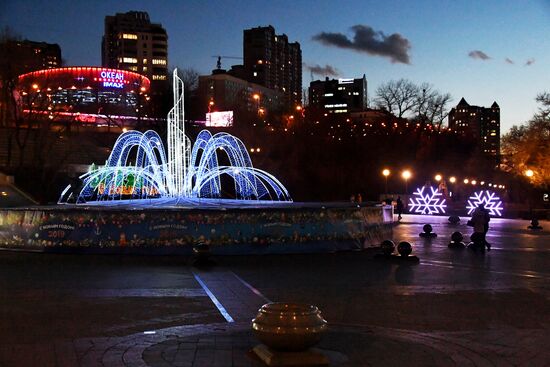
x=529, y=173
x=386, y=172
x=438, y=177
x=406, y=174
x=452, y=179
x=466, y=181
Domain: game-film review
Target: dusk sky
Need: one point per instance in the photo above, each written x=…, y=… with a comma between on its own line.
x=480, y=50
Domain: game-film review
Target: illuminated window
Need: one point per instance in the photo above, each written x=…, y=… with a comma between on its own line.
x=133, y=68
x=145, y=69
x=159, y=62
x=129, y=60
x=129, y=36
x=159, y=77
x=144, y=61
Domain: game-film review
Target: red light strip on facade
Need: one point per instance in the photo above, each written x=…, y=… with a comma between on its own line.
x=75, y=70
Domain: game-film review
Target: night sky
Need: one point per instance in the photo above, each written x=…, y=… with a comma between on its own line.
x=480, y=50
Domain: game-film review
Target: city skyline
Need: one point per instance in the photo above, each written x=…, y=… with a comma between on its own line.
x=494, y=51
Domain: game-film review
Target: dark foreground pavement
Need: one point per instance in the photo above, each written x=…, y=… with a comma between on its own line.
x=454, y=308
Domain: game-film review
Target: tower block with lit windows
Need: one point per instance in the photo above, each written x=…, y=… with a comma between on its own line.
x=274, y=62
x=482, y=124
x=131, y=42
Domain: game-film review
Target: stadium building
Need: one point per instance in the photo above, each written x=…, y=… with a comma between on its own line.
x=85, y=94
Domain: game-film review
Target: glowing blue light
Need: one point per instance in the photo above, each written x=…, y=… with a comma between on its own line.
x=491, y=202
x=430, y=202
x=140, y=168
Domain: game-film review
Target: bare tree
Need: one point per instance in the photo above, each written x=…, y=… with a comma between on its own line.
x=431, y=105
x=423, y=102
x=8, y=74
x=397, y=96
x=190, y=78
x=544, y=100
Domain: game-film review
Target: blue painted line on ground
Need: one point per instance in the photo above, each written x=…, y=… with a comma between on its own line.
x=254, y=290
x=217, y=303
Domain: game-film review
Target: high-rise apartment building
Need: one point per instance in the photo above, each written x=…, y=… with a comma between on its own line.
x=479, y=123
x=20, y=57
x=131, y=42
x=270, y=60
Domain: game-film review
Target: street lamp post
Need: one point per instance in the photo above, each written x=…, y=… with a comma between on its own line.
x=529, y=173
x=406, y=174
x=256, y=98
x=386, y=172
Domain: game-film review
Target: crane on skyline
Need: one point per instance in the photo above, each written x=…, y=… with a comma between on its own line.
x=220, y=57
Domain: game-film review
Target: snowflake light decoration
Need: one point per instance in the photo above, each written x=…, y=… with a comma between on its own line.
x=490, y=201
x=429, y=202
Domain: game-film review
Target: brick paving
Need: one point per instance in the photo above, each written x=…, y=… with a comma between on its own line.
x=453, y=309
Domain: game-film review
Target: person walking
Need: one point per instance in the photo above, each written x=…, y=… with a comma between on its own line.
x=399, y=207
x=480, y=222
x=486, y=219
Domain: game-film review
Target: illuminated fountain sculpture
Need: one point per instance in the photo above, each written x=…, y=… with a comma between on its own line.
x=140, y=168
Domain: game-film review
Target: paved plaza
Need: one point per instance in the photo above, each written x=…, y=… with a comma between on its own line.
x=455, y=307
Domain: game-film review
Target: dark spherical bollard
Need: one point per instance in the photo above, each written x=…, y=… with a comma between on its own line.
x=456, y=240
x=454, y=219
x=535, y=224
x=457, y=237
x=387, y=247
x=202, y=253
x=404, y=248
x=428, y=231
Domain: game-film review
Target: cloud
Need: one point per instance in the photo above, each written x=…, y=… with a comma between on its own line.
x=530, y=62
x=509, y=61
x=326, y=70
x=478, y=55
x=365, y=39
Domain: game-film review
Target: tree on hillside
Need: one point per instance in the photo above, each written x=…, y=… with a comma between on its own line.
x=422, y=102
x=431, y=105
x=527, y=147
x=8, y=76
x=190, y=78
x=397, y=96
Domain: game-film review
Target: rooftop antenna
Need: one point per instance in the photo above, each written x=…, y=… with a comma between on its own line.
x=220, y=57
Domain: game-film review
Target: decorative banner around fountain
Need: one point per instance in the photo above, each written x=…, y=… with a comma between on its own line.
x=140, y=168
x=427, y=200
x=275, y=228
